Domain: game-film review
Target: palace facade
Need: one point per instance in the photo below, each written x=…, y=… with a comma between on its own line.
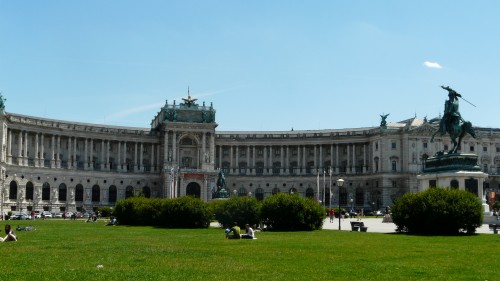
x=58, y=165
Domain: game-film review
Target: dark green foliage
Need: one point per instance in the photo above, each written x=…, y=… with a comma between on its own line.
x=138, y=211
x=287, y=212
x=496, y=206
x=438, y=211
x=185, y=212
x=105, y=211
x=242, y=210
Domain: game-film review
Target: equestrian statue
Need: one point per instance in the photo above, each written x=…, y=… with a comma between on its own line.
x=452, y=122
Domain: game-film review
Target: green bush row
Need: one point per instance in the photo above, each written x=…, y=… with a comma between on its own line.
x=438, y=211
x=278, y=212
x=184, y=212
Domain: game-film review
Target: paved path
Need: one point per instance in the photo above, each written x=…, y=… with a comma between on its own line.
x=376, y=225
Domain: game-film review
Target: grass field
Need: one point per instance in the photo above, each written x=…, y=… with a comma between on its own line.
x=75, y=250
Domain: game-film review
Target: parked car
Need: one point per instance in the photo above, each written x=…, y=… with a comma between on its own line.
x=46, y=214
x=378, y=213
x=20, y=216
x=57, y=215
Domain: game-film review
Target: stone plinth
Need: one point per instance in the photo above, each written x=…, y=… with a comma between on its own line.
x=459, y=171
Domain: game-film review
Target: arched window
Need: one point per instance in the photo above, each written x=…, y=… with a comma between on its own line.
x=146, y=191
x=129, y=192
x=79, y=193
x=360, y=197
x=62, y=192
x=276, y=190
x=96, y=193
x=292, y=190
x=310, y=193
x=454, y=184
x=29, y=190
x=259, y=194
x=13, y=190
x=193, y=189
x=112, y=195
x=46, y=191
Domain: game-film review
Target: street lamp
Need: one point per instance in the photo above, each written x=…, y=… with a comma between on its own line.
x=340, y=183
x=330, y=170
x=352, y=206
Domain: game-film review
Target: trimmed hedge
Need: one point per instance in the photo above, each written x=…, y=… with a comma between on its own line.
x=237, y=209
x=287, y=212
x=438, y=211
x=183, y=212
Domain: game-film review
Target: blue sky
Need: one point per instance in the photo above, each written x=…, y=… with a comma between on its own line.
x=265, y=65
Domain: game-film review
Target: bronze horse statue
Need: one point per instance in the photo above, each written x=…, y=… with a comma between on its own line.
x=457, y=133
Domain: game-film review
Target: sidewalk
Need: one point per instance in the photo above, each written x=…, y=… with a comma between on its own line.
x=376, y=225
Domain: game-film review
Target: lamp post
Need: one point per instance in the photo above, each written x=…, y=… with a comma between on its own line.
x=340, y=183
x=330, y=201
x=352, y=206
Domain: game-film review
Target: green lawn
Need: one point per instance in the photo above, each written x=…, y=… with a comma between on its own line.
x=73, y=250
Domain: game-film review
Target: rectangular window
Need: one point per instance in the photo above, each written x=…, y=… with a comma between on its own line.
x=498, y=149
x=471, y=148
x=394, y=166
x=393, y=145
x=425, y=145
x=485, y=149
x=260, y=152
x=445, y=147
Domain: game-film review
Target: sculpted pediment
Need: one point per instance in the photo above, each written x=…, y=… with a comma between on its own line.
x=425, y=129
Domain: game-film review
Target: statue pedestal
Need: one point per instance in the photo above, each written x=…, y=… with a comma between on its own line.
x=459, y=171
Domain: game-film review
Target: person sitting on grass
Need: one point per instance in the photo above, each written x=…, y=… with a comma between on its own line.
x=11, y=236
x=249, y=234
x=234, y=232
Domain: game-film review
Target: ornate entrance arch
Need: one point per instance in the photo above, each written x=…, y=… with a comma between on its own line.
x=193, y=189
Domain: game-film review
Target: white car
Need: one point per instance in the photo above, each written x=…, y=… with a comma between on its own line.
x=46, y=214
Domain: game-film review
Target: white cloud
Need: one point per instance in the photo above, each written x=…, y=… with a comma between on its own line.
x=431, y=64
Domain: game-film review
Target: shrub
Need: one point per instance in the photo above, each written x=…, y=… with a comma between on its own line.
x=185, y=212
x=237, y=209
x=438, y=211
x=138, y=211
x=105, y=211
x=291, y=212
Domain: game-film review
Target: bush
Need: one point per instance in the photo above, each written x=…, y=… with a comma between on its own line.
x=138, y=211
x=105, y=211
x=291, y=212
x=438, y=211
x=242, y=210
x=185, y=212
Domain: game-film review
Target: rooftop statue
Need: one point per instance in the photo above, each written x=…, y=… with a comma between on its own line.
x=452, y=122
x=383, y=122
x=2, y=102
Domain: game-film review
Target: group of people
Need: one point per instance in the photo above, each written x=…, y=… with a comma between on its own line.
x=10, y=235
x=234, y=232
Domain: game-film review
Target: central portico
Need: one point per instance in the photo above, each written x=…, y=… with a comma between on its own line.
x=188, y=147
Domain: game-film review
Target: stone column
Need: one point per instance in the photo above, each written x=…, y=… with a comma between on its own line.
x=287, y=166
x=248, y=169
x=37, y=159
x=271, y=159
x=91, y=154
x=25, y=149
x=265, y=160
x=85, y=153
x=119, y=156
x=220, y=156
x=331, y=157
x=20, y=149
x=299, y=164
x=9, y=148
x=321, y=168
x=125, y=168
x=165, y=149
x=42, y=151
x=304, y=156
x=212, y=148
x=157, y=160
x=364, y=159
x=152, y=162
x=58, y=155
x=75, y=164
x=70, y=162
x=52, y=152
x=283, y=166
x=174, y=147
x=103, y=161
x=135, y=157
x=203, y=149
x=237, y=159
x=231, y=166
x=337, y=160
x=108, y=165
x=141, y=155
x=354, y=163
